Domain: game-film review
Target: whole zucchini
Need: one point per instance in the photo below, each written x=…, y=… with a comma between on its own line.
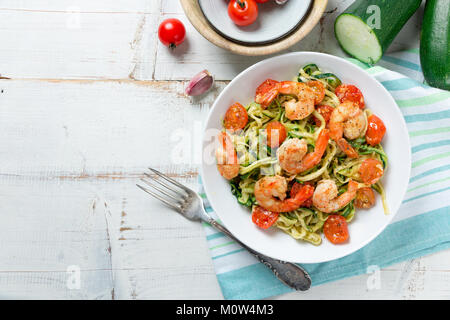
x=435, y=44
x=367, y=28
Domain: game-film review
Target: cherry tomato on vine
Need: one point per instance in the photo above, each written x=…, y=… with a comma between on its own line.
x=171, y=32
x=243, y=12
x=335, y=229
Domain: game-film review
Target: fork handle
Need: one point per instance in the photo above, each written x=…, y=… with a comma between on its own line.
x=290, y=274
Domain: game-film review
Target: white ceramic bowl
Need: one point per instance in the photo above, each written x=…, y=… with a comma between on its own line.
x=273, y=23
x=367, y=224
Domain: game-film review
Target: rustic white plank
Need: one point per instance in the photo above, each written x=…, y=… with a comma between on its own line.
x=420, y=285
x=74, y=149
x=87, y=6
x=53, y=285
x=75, y=45
x=76, y=128
x=82, y=206
x=46, y=228
x=126, y=244
x=151, y=240
x=62, y=41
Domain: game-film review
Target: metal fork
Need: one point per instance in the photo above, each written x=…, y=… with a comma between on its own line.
x=189, y=204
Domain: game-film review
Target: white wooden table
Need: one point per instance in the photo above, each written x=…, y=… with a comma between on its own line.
x=88, y=99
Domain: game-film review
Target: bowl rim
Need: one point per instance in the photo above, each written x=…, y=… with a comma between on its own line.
x=351, y=66
x=196, y=17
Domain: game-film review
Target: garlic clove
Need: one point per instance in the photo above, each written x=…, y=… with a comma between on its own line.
x=200, y=83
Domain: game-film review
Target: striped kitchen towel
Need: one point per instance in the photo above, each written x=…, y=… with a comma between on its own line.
x=421, y=226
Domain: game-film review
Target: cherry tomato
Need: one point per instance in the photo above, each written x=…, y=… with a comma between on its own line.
x=349, y=92
x=243, y=12
x=335, y=229
x=267, y=92
x=263, y=218
x=325, y=111
x=296, y=188
x=375, y=130
x=365, y=198
x=171, y=32
x=319, y=90
x=276, y=134
x=236, y=117
x=371, y=170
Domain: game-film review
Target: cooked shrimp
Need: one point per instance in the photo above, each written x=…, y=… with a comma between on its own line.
x=303, y=106
x=267, y=92
x=326, y=197
x=347, y=120
x=270, y=193
x=226, y=157
x=292, y=154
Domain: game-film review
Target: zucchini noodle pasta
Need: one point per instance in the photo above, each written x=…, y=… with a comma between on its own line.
x=257, y=157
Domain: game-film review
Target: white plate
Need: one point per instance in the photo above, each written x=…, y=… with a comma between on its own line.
x=367, y=224
x=274, y=21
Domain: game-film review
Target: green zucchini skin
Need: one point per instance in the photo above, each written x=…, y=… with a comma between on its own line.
x=435, y=44
x=393, y=16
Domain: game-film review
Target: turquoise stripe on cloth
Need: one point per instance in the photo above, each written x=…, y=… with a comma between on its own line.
x=428, y=116
x=422, y=225
x=401, y=84
x=430, y=145
x=403, y=63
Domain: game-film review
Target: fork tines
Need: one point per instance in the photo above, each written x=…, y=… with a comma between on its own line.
x=173, y=193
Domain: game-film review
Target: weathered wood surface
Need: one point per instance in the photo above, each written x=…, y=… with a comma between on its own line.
x=88, y=100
